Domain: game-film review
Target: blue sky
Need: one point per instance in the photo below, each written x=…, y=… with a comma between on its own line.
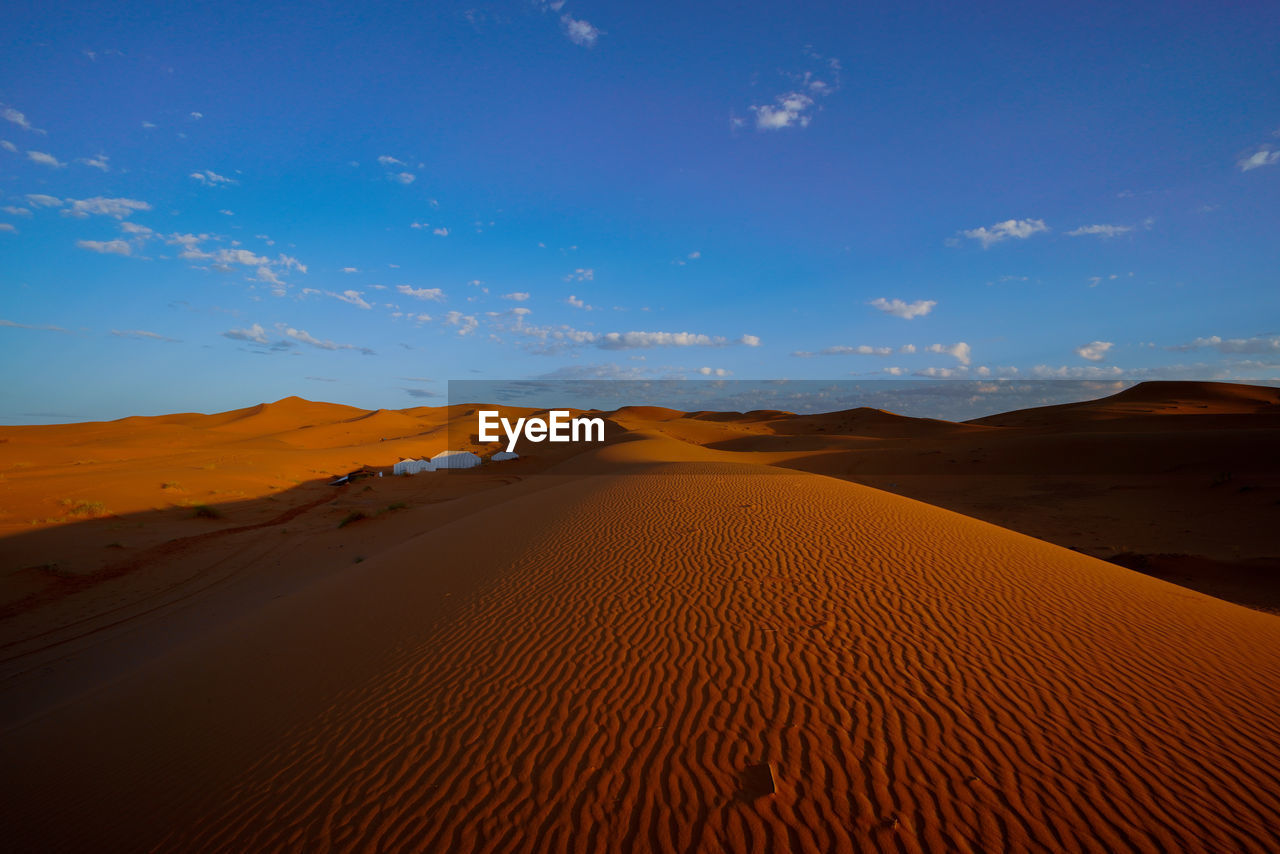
x=203, y=208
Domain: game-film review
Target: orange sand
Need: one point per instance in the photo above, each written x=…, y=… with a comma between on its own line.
x=593, y=659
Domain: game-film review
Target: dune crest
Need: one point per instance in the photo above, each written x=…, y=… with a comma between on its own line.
x=654, y=645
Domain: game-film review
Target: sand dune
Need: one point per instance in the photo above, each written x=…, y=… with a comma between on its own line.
x=597, y=657
x=1151, y=398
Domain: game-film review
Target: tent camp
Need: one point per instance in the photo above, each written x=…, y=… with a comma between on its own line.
x=455, y=460
x=413, y=466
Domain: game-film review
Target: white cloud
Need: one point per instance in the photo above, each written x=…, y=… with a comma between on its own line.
x=905, y=310
x=195, y=116
x=789, y=110
x=109, y=247
x=266, y=274
x=210, y=178
x=405, y=178
x=1089, y=372
x=517, y=296
x=228, y=257
x=582, y=274
x=14, y=210
x=577, y=303
x=135, y=228
x=45, y=159
x=99, y=162
x=254, y=334
x=795, y=107
x=1094, y=281
x=959, y=351
x=907, y=348
x=860, y=350
x=645, y=340
x=355, y=298
x=226, y=260
x=1256, y=344
x=1264, y=156
x=291, y=263
x=440, y=232
x=714, y=372
x=190, y=244
x=1100, y=230
x=350, y=270
x=307, y=338
x=8, y=226
x=941, y=373
x=8, y=146
x=388, y=160
x=1010, y=228
x=435, y=294
x=38, y=327
x=554, y=339
x=1094, y=351
x=148, y=125
x=12, y=115
x=609, y=371
x=143, y=334
x=466, y=323
x=579, y=32
x=101, y=206
x=40, y=200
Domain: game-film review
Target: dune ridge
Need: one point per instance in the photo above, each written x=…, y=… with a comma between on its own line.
x=921, y=681
x=596, y=659
x=909, y=693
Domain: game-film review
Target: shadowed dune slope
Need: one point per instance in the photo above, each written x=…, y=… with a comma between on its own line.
x=919, y=680
x=1145, y=399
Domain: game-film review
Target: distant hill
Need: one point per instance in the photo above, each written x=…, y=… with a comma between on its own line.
x=1148, y=398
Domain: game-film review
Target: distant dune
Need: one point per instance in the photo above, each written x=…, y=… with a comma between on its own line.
x=203, y=647
x=1151, y=398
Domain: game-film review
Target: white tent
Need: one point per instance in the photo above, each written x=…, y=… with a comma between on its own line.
x=504, y=455
x=413, y=466
x=455, y=460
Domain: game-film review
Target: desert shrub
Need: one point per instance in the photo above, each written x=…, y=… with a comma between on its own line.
x=83, y=508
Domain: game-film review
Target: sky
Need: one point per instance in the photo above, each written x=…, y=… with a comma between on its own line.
x=207, y=206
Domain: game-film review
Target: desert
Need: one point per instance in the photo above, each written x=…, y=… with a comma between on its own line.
x=598, y=427
x=598, y=647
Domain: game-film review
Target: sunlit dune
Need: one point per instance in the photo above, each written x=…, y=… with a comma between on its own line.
x=715, y=631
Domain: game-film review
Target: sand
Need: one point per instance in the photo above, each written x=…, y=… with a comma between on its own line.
x=598, y=652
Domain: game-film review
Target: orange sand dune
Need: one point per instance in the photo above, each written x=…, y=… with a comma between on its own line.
x=604, y=656
x=636, y=641
x=1152, y=398
x=1177, y=479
